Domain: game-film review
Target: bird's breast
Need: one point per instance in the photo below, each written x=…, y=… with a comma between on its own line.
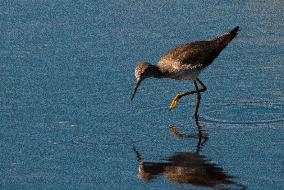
x=177, y=70
x=185, y=75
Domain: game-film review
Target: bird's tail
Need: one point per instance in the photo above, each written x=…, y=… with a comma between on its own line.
x=225, y=39
x=235, y=31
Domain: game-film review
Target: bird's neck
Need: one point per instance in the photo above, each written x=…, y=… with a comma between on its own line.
x=156, y=72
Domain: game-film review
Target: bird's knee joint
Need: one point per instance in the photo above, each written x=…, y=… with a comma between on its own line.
x=203, y=89
x=179, y=95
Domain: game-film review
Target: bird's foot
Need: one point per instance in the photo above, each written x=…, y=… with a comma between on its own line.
x=175, y=101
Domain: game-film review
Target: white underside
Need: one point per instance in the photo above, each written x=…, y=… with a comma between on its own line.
x=186, y=75
x=179, y=71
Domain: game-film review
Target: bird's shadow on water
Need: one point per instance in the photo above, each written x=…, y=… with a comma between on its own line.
x=187, y=168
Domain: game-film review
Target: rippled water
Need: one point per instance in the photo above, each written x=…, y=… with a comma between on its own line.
x=66, y=79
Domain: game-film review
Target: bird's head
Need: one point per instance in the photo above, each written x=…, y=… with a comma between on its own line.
x=142, y=71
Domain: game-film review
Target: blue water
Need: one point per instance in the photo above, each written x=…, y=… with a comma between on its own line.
x=67, y=121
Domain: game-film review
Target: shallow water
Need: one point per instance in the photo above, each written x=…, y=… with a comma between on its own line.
x=67, y=77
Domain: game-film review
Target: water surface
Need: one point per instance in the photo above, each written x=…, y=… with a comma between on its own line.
x=66, y=80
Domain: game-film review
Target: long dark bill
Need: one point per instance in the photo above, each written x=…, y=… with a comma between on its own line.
x=136, y=87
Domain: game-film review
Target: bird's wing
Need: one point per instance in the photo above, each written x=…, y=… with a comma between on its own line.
x=194, y=55
x=197, y=54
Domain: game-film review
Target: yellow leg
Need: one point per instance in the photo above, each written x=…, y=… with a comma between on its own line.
x=180, y=95
x=175, y=101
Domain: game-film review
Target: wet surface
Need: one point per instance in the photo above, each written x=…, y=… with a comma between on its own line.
x=187, y=167
x=67, y=121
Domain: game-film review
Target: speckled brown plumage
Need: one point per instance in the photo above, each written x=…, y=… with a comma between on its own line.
x=195, y=55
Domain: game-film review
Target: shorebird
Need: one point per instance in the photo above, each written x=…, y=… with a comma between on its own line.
x=185, y=62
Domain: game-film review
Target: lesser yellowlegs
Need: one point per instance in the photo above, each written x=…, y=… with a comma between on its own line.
x=185, y=62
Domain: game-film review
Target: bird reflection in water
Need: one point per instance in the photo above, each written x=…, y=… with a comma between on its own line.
x=188, y=167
